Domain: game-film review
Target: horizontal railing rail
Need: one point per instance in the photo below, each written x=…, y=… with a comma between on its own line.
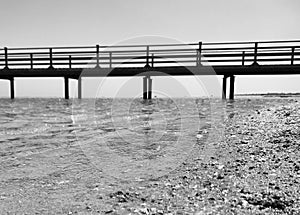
x=157, y=55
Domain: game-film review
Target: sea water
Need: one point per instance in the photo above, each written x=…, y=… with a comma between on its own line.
x=124, y=138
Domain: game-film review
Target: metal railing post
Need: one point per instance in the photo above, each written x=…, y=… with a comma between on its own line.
x=97, y=55
x=255, y=53
x=199, y=53
x=31, y=61
x=243, y=59
x=147, y=57
x=152, y=60
x=70, y=62
x=51, y=58
x=293, y=56
x=6, y=56
x=110, y=60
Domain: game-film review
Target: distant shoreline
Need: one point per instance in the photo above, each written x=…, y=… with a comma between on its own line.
x=270, y=94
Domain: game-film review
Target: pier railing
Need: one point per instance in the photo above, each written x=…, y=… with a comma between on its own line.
x=160, y=55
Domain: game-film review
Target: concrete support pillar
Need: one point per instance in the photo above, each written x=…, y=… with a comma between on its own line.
x=149, y=88
x=79, y=88
x=224, y=87
x=66, y=87
x=231, y=92
x=145, y=88
x=12, y=88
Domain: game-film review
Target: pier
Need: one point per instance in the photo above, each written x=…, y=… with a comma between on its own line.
x=227, y=59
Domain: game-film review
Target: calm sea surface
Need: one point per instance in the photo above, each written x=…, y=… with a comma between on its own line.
x=118, y=135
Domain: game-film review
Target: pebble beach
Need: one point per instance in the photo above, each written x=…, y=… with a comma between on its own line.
x=255, y=170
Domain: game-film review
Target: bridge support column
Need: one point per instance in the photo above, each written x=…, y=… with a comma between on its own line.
x=79, y=88
x=66, y=88
x=12, y=88
x=145, y=88
x=231, y=91
x=149, y=88
x=224, y=87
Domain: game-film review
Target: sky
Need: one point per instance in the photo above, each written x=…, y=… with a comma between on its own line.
x=106, y=22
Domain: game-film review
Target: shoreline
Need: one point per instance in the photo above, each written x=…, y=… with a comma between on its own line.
x=269, y=94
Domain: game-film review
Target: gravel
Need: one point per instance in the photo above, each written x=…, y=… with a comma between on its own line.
x=255, y=170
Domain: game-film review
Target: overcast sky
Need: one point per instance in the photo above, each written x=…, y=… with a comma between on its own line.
x=89, y=22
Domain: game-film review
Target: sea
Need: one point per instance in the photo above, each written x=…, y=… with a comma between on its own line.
x=129, y=139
